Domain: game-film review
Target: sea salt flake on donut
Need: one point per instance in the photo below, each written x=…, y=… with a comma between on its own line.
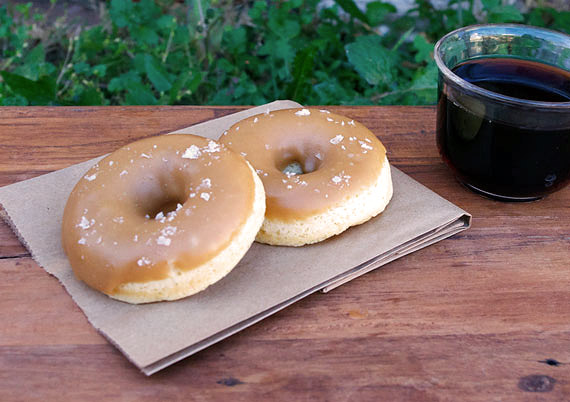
x=337, y=139
x=124, y=172
x=192, y=152
x=99, y=240
x=368, y=140
x=143, y=261
x=303, y=112
x=82, y=241
x=289, y=187
x=192, y=195
x=329, y=119
x=118, y=219
x=319, y=156
x=255, y=120
x=136, y=238
x=159, y=216
x=212, y=147
x=267, y=146
x=343, y=147
x=111, y=163
x=352, y=138
x=342, y=123
x=178, y=207
x=205, y=183
x=336, y=179
x=237, y=128
x=365, y=145
x=243, y=154
x=143, y=155
x=163, y=241
x=168, y=231
x=324, y=111
x=205, y=196
x=90, y=178
x=352, y=123
x=85, y=223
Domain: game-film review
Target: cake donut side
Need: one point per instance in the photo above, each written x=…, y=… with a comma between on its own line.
x=162, y=218
x=322, y=172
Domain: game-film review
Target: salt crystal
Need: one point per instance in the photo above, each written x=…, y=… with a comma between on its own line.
x=192, y=152
x=205, y=196
x=212, y=147
x=81, y=241
x=336, y=179
x=159, y=216
x=143, y=261
x=303, y=112
x=336, y=139
x=124, y=172
x=168, y=231
x=91, y=178
x=255, y=120
x=143, y=155
x=163, y=241
x=85, y=224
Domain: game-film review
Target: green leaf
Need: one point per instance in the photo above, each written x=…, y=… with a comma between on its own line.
x=156, y=73
x=124, y=81
x=376, y=12
x=90, y=97
x=99, y=70
x=373, y=61
x=145, y=35
x=120, y=12
x=424, y=49
x=39, y=92
x=140, y=95
x=257, y=10
x=352, y=9
x=285, y=28
x=302, y=68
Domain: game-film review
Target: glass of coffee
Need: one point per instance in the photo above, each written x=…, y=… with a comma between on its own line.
x=503, y=113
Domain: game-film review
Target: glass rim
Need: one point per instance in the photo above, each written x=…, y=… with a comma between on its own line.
x=446, y=71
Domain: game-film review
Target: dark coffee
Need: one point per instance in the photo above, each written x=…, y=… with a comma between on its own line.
x=505, y=160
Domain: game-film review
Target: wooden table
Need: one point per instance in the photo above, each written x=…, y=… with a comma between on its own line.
x=484, y=315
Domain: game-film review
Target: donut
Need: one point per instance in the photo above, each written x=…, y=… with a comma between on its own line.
x=322, y=172
x=162, y=218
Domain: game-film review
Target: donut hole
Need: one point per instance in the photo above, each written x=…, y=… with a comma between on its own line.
x=294, y=163
x=159, y=196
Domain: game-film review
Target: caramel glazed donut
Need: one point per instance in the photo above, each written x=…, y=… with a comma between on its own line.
x=322, y=172
x=162, y=218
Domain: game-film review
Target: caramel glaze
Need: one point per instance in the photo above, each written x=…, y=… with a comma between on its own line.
x=340, y=157
x=173, y=200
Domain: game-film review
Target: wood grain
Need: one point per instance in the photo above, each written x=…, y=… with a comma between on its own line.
x=475, y=317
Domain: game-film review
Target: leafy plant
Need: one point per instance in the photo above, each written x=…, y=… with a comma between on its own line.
x=248, y=52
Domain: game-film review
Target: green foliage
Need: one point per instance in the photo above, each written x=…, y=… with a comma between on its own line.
x=216, y=52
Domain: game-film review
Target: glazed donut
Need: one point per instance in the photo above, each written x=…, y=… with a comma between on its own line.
x=322, y=172
x=162, y=218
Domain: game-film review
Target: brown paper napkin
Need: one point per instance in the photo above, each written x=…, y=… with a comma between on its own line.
x=269, y=278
